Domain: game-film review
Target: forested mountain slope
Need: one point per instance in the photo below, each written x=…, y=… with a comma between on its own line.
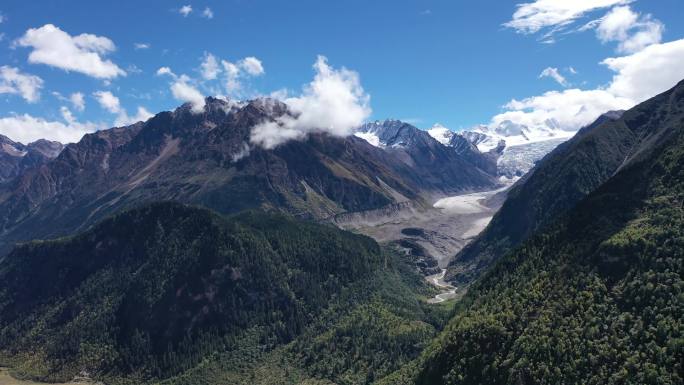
x=166, y=290
x=597, y=297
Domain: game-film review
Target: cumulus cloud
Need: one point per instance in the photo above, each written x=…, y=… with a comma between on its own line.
x=209, y=67
x=185, y=10
x=13, y=81
x=636, y=78
x=252, y=66
x=648, y=72
x=553, y=73
x=111, y=103
x=78, y=101
x=82, y=53
x=208, y=13
x=108, y=101
x=333, y=103
x=67, y=115
x=26, y=128
x=141, y=45
x=632, y=30
x=567, y=110
x=142, y=114
x=184, y=91
x=231, y=74
x=165, y=71
x=554, y=14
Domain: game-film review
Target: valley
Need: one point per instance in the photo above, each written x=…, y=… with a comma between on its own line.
x=441, y=229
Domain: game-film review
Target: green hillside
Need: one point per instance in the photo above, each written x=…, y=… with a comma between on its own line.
x=167, y=291
x=598, y=298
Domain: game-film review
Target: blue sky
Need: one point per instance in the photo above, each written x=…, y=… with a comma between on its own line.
x=453, y=62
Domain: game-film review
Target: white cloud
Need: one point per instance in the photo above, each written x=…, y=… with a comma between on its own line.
x=82, y=53
x=108, y=101
x=141, y=45
x=233, y=73
x=183, y=91
x=554, y=74
x=67, y=115
x=208, y=13
x=77, y=100
x=637, y=77
x=233, y=85
x=13, y=81
x=572, y=70
x=112, y=104
x=165, y=71
x=209, y=67
x=252, y=66
x=123, y=119
x=26, y=128
x=648, y=72
x=631, y=30
x=334, y=103
x=555, y=14
x=185, y=10
x=567, y=110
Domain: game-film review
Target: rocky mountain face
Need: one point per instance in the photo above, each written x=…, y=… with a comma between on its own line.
x=562, y=179
x=418, y=147
x=207, y=159
x=15, y=158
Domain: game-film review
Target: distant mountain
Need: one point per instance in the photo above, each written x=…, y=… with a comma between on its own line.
x=206, y=159
x=420, y=148
x=508, y=151
x=15, y=158
x=595, y=297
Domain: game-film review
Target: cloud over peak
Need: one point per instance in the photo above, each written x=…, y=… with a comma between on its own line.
x=333, y=102
x=182, y=90
x=26, y=128
x=637, y=77
x=111, y=103
x=82, y=53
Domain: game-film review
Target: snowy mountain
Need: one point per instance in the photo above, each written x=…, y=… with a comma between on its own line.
x=516, y=147
x=449, y=153
x=389, y=133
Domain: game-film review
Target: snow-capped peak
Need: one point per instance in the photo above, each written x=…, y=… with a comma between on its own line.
x=387, y=133
x=441, y=133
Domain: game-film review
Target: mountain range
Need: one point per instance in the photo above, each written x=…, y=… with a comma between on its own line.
x=182, y=253
x=207, y=159
x=16, y=158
